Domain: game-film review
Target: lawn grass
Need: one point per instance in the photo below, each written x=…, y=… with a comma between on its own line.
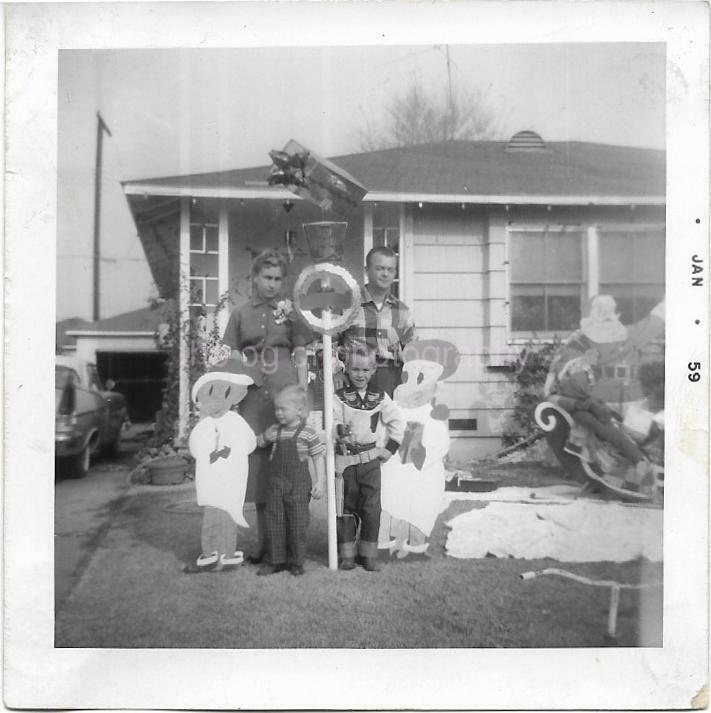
x=134, y=594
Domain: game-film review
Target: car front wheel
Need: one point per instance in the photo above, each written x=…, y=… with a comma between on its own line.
x=76, y=466
x=113, y=447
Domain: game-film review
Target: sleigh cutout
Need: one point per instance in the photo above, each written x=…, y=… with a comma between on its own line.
x=603, y=474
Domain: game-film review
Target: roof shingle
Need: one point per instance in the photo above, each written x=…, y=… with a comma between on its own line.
x=483, y=168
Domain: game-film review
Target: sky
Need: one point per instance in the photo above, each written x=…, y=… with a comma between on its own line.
x=173, y=112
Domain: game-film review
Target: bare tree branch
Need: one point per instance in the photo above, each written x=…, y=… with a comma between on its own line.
x=418, y=117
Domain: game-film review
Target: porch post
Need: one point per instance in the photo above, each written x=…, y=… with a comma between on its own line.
x=367, y=229
x=223, y=265
x=406, y=261
x=184, y=309
x=593, y=262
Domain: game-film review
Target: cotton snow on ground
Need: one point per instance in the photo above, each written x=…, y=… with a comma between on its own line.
x=555, y=527
x=552, y=493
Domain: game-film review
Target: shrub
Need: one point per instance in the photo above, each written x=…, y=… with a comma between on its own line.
x=200, y=341
x=528, y=372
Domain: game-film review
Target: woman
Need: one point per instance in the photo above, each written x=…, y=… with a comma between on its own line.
x=271, y=339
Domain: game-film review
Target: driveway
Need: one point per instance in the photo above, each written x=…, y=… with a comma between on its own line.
x=83, y=511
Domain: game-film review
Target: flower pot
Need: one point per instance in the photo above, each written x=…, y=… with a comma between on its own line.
x=168, y=470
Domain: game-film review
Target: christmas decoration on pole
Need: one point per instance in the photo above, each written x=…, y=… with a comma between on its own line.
x=326, y=296
x=315, y=179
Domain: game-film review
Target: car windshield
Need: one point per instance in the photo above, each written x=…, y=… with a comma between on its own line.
x=62, y=375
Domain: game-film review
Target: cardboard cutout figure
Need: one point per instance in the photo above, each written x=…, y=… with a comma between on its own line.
x=594, y=384
x=602, y=357
x=220, y=444
x=413, y=480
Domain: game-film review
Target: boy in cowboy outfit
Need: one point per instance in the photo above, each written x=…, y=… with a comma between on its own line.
x=369, y=429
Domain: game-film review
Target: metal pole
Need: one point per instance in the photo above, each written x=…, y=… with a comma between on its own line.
x=612, y=614
x=449, y=136
x=330, y=454
x=100, y=128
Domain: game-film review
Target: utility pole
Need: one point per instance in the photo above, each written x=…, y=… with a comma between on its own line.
x=449, y=111
x=100, y=128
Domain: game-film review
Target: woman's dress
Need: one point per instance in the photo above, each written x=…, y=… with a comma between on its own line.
x=266, y=343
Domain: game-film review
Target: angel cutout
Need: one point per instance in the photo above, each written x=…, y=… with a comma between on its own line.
x=221, y=443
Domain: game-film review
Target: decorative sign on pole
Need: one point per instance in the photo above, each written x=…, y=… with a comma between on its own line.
x=326, y=296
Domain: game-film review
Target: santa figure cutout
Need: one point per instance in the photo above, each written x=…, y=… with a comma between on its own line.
x=413, y=480
x=220, y=444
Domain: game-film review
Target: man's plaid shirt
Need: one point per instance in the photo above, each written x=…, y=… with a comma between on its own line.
x=386, y=330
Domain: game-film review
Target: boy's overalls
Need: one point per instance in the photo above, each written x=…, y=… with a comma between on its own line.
x=288, y=497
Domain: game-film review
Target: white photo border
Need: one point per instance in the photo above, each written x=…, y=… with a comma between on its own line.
x=38, y=675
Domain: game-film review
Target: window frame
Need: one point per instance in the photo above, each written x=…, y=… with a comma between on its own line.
x=202, y=279
x=637, y=228
x=591, y=278
x=543, y=336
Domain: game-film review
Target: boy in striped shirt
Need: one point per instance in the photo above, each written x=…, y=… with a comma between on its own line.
x=296, y=473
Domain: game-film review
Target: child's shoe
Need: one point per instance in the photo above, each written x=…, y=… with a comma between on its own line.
x=347, y=563
x=266, y=569
x=296, y=569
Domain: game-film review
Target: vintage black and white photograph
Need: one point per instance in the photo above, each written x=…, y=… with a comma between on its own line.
x=365, y=347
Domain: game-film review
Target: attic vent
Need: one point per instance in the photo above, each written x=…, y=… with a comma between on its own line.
x=526, y=141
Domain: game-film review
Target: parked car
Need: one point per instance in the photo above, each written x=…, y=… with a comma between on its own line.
x=88, y=417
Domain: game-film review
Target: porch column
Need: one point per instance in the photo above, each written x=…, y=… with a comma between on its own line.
x=367, y=229
x=406, y=258
x=223, y=266
x=184, y=309
x=593, y=261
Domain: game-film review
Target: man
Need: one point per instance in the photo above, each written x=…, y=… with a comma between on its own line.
x=384, y=323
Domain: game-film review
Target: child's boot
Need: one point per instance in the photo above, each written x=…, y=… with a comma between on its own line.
x=368, y=552
x=371, y=564
x=346, y=530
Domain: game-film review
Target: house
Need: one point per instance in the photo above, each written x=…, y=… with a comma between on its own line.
x=499, y=242
x=124, y=349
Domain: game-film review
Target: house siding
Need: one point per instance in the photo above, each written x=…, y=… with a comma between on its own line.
x=455, y=280
x=460, y=296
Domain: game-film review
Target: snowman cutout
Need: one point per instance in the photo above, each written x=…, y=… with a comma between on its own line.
x=413, y=480
x=221, y=443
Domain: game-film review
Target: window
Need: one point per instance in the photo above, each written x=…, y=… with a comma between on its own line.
x=546, y=279
x=204, y=271
x=632, y=269
x=93, y=376
x=386, y=233
x=550, y=277
x=62, y=375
